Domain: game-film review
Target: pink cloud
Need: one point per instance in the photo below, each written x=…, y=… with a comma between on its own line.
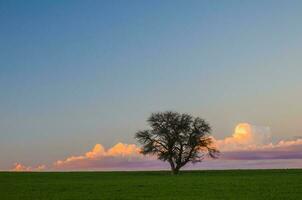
x=120, y=156
x=281, y=150
x=221, y=164
x=250, y=142
x=18, y=167
x=248, y=147
x=245, y=136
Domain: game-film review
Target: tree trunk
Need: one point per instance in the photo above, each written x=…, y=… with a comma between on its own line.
x=175, y=171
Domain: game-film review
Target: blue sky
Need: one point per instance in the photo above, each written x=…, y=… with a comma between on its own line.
x=73, y=73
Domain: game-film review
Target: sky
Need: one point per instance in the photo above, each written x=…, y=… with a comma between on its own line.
x=75, y=75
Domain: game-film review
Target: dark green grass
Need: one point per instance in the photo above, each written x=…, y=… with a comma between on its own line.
x=233, y=184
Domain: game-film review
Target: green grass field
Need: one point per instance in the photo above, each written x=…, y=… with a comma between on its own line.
x=233, y=184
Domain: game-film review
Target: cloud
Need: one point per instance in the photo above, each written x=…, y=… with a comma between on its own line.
x=120, y=156
x=18, y=167
x=245, y=136
x=249, y=147
x=221, y=164
x=250, y=142
x=281, y=150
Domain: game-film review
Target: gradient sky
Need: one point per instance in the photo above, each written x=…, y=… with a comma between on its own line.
x=77, y=73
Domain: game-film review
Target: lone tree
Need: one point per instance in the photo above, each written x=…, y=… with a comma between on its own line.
x=177, y=138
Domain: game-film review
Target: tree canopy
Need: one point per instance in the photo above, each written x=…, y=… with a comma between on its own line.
x=177, y=138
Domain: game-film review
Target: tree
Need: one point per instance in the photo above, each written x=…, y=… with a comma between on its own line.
x=177, y=138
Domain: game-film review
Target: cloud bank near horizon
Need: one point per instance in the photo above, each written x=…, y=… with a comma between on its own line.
x=246, y=137
x=120, y=156
x=18, y=167
x=249, y=142
x=248, y=147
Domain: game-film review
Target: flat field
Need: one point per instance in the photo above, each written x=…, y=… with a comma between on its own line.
x=228, y=184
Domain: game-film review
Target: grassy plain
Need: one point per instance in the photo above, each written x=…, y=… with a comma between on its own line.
x=191, y=185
